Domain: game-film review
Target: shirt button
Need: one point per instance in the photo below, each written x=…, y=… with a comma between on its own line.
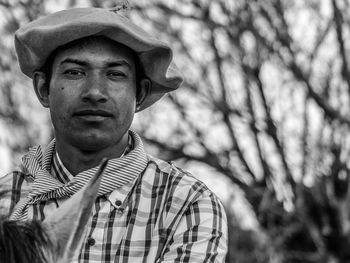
x=118, y=203
x=91, y=241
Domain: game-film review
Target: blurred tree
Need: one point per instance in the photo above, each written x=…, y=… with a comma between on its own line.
x=265, y=103
x=18, y=128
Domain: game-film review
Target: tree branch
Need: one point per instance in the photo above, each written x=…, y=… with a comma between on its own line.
x=338, y=19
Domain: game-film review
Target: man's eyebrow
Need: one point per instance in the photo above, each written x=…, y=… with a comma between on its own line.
x=118, y=64
x=107, y=64
x=74, y=61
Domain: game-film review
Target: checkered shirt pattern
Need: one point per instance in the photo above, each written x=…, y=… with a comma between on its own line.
x=162, y=214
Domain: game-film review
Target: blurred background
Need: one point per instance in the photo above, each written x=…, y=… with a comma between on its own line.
x=262, y=117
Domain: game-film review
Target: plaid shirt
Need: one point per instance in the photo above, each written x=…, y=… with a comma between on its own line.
x=156, y=212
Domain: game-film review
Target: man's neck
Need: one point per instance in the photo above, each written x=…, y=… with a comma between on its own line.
x=76, y=160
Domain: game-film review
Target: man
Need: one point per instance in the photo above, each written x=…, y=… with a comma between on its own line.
x=93, y=69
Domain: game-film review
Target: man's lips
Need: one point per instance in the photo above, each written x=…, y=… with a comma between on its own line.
x=93, y=115
x=90, y=112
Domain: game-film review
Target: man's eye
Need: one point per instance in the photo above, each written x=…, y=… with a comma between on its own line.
x=74, y=72
x=116, y=74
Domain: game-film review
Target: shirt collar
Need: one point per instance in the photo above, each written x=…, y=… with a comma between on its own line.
x=119, y=172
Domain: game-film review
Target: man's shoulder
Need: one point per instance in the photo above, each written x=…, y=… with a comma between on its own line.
x=176, y=179
x=184, y=195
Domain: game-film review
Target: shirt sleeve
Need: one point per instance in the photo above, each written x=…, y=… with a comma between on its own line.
x=201, y=235
x=13, y=187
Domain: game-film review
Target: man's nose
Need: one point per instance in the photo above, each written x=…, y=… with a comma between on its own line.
x=94, y=90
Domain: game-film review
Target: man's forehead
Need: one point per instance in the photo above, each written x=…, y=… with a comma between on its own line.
x=102, y=48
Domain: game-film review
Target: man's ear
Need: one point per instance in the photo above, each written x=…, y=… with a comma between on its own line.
x=144, y=90
x=41, y=88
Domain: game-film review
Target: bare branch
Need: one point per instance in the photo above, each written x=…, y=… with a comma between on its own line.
x=224, y=104
x=338, y=19
x=265, y=166
x=271, y=128
x=304, y=139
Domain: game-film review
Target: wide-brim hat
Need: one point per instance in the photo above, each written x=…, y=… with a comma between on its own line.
x=35, y=41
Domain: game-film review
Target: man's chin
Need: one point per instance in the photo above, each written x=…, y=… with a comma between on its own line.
x=92, y=143
x=90, y=140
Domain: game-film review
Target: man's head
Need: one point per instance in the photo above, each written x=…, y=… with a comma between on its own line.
x=90, y=86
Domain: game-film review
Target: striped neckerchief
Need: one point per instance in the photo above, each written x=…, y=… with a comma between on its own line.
x=118, y=172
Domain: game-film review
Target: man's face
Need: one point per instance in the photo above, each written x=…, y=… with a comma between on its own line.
x=92, y=94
